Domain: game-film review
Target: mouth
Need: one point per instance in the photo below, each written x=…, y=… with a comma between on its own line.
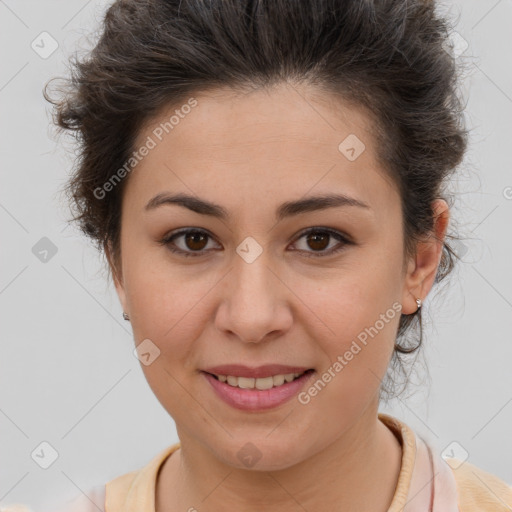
x=259, y=383
x=257, y=389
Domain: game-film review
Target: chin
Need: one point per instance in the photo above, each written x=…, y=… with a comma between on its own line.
x=260, y=454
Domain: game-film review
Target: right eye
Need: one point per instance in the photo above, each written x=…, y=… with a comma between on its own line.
x=193, y=244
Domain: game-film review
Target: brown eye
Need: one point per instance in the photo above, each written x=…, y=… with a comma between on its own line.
x=318, y=242
x=193, y=242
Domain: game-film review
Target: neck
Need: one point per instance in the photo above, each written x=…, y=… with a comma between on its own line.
x=358, y=471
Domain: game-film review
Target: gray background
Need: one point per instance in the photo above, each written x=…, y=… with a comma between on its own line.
x=68, y=374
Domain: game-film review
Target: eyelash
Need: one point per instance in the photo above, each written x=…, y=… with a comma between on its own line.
x=168, y=240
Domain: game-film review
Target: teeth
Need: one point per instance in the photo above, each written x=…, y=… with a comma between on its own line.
x=260, y=383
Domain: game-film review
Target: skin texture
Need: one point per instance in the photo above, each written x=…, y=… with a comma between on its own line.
x=250, y=153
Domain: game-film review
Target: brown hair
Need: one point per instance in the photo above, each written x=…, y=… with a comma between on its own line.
x=387, y=56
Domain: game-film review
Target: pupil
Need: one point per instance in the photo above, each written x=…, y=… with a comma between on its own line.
x=194, y=237
x=314, y=238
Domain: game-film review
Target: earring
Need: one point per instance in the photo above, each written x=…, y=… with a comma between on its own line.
x=418, y=302
x=125, y=316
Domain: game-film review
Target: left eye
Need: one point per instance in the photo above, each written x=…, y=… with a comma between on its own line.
x=195, y=242
x=317, y=239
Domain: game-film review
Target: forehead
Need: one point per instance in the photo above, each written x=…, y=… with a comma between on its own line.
x=258, y=146
x=224, y=120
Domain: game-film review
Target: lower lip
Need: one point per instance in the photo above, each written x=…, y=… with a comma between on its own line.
x=255, y=399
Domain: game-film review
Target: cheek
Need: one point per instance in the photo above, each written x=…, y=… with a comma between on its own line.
x=165, y=299
x=168, y=305
x=354, y=319
x=169, y=309
x=355, y=356
x=353, y=297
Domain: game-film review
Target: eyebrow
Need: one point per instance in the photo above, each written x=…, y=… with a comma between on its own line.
x=286, y=209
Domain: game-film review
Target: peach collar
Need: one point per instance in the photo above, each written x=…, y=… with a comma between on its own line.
x=425, y=482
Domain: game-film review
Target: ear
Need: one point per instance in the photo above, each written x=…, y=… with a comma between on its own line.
x=116, y=275
x=422, y=267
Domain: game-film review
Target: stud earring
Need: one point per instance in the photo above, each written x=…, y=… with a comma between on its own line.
x=125, y=316
x=418, y=302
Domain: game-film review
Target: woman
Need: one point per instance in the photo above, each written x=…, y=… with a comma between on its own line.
x=266, y=180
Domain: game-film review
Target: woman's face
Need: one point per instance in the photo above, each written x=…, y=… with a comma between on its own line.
x=256, y=290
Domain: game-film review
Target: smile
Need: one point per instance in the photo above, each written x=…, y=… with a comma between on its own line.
x=257, y=393
x=258, y=383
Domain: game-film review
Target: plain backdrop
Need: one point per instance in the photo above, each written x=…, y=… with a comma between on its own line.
x=68, y=375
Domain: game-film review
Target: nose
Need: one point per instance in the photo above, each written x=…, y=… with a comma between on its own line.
x=255, y=302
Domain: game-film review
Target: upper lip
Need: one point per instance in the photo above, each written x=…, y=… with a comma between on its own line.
x=267, y=370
